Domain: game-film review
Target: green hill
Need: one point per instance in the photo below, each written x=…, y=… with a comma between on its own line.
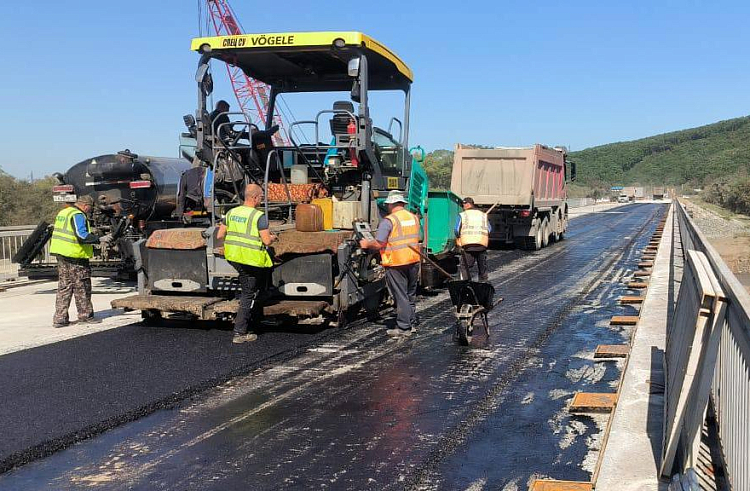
x=697, y=156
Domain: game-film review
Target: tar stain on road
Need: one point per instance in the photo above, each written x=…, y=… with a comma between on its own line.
x=364, y=412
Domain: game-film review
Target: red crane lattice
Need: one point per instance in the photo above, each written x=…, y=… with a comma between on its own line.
x=252, y=95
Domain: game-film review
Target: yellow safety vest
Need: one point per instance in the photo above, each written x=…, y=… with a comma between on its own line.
x=405, y=233
x=64, y=240
x=474, y=228
x=242, y=243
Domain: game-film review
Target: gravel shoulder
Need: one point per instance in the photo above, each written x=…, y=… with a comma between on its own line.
x=730, y=236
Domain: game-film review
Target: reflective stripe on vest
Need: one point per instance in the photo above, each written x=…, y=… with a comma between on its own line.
x=405, y=233
x=474, y=228
x=64, y=240
x=243, y=244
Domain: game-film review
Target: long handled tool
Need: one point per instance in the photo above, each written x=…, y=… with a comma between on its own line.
x=491, y=208
x=426, y=258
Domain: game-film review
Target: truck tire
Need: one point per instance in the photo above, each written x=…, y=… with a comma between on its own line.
x=545, y=232
x=537, y=242
x=558, y=226
x=563, y=228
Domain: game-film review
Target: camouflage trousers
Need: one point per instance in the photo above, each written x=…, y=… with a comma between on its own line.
x=74, y=281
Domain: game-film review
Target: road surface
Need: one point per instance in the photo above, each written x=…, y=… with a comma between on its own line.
x=182, y=408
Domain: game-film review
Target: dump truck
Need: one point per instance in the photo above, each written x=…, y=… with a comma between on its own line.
x=320, y=273
x=658, y=192
x=522, y=188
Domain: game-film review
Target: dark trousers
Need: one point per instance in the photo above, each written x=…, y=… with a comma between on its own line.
x=478, y=256
x=402, y=283
x=74, y=281
x=252, y=284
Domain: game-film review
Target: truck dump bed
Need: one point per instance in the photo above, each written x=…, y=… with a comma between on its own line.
x=509, y=176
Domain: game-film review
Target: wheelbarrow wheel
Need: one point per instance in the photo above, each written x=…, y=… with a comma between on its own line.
x=464, y=326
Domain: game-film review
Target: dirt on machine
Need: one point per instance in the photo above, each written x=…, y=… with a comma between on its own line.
x=523, y=189
x=321, y=195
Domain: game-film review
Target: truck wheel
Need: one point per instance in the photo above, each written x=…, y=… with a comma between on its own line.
x=564, y=228
x=545, y=232
x=558, y=226
x=538, y=243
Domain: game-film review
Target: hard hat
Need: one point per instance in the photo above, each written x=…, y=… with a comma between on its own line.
x=395, y=196
x=85, y=200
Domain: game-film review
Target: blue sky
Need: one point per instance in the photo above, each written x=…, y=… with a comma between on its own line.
x=86, y=78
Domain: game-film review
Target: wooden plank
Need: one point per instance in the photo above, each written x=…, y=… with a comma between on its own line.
x=637, y=284
x=612, y=351
x=641, y=274
x=554, y=485
x=631, y=299
x=585, y=402
x=645, y=264
x=623, y=320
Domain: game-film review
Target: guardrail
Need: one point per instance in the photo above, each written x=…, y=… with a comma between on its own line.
x=579, y=202
x=11, y=239
x=710, y=357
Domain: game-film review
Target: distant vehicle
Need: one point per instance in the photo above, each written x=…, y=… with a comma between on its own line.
x=658, y=193
x=524, y=189
x=623, y=198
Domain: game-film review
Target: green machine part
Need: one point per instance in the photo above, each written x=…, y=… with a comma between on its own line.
x=419, y=183
x=443, y=208
x=438, y=209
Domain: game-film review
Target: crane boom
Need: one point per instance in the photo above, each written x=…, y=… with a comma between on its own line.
x=252, y=95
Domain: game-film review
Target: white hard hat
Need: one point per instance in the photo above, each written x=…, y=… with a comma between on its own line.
x=395, y=196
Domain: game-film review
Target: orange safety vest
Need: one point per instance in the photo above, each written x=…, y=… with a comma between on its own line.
x=405, y=233
x=474, y=228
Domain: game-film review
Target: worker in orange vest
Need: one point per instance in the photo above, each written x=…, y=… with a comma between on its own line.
x=396, y=236
x=473, y=232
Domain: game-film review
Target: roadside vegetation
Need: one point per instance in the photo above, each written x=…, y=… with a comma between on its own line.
x=732, y=193
x=694, y=156
x=24, y=202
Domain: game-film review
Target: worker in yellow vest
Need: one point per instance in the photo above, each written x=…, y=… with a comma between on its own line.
x=246, y=237
x=396, y=236
x=72, y=244
x=473, y=232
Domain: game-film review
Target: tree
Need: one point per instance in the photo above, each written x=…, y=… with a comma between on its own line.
x=24, y=202
x=439, y=164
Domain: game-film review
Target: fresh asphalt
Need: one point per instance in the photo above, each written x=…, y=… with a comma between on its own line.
x=179, y=407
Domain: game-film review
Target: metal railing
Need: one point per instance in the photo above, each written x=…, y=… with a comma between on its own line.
x=579, y=202
x=11, y=239
x=730, y=382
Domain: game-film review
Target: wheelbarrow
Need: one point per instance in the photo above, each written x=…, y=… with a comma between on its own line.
x=471, y=299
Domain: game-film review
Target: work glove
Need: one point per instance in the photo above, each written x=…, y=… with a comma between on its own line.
x=106, y=239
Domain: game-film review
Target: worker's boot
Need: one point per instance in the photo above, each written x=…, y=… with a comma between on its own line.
x=58, y=325
x=89, y=320
x=244, y=338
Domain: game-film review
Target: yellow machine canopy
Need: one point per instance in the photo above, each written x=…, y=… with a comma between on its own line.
x=308, y=61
